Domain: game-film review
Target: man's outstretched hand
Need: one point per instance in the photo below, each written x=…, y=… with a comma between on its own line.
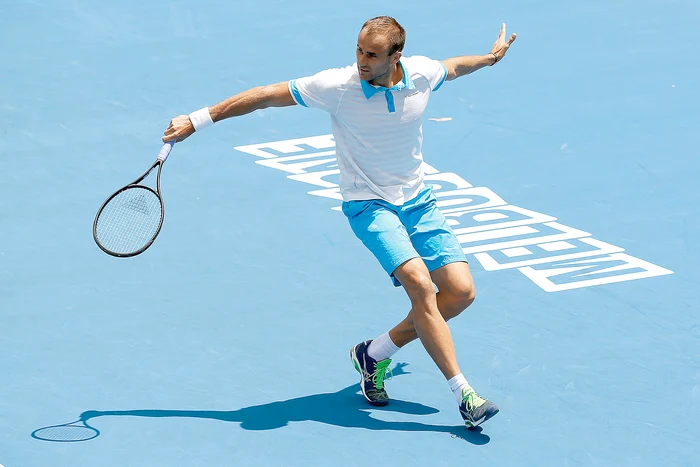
x=500, y=47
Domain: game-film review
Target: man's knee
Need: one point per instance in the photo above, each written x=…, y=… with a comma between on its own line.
x=461, y=294
x=415, y=279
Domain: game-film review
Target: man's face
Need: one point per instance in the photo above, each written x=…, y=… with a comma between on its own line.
x=373, y=59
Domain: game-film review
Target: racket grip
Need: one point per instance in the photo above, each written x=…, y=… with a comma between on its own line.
x=165, y=150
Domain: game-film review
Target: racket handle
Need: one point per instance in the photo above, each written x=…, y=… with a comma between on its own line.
x=165, y=150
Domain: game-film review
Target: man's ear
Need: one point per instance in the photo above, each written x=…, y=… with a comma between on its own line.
x=397, y=57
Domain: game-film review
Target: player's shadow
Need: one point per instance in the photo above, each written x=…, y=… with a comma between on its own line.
x=344, y=408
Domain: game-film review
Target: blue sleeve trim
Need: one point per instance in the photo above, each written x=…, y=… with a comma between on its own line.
x=444, y=77
x=295, y=93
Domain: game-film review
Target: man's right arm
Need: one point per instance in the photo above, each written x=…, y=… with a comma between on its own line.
x=261, y=97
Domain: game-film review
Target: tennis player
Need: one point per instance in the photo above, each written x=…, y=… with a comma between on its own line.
x=376, y=106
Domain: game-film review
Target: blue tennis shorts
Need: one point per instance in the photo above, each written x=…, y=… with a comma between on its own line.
x=395, y=234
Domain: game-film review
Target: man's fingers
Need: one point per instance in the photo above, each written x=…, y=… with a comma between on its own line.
x=511, y=39
x=179, y=129
x=174, y=136
x=502, y=34
x=169, y=133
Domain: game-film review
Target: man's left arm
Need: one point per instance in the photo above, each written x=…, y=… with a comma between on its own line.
x=460, y=66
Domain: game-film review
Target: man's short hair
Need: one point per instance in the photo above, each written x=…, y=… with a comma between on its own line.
x=389, y=27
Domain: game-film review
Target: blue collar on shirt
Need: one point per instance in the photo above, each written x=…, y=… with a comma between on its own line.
x=405, y=83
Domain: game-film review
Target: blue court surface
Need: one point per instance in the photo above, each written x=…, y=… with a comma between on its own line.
x=569, y=172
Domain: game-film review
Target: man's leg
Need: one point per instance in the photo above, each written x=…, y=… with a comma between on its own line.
x=455, y=293
x=428, y=323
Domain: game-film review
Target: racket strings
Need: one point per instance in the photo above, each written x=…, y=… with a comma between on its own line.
x=129, y=221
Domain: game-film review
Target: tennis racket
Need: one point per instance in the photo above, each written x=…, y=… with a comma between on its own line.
x=131, y=218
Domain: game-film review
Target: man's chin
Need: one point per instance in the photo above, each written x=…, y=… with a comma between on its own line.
x=365, y=76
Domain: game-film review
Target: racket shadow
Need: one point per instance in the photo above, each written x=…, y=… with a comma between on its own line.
x=343, y=408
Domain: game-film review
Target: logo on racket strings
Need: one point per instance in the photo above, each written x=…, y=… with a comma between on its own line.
x=138, y=204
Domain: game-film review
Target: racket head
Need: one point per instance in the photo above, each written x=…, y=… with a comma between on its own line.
x=67, y=433
x=129, y=221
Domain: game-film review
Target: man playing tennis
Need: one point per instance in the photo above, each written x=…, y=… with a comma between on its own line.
x=376, y=106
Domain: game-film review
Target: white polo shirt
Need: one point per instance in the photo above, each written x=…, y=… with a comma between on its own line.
x=378, y=131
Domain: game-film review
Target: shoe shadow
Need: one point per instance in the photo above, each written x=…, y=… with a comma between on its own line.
x=344, y=408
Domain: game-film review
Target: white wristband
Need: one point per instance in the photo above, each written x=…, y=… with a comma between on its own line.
x=201, y=119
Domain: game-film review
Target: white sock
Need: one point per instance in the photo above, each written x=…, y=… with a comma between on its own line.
x=458, y=383
x=382, y=347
